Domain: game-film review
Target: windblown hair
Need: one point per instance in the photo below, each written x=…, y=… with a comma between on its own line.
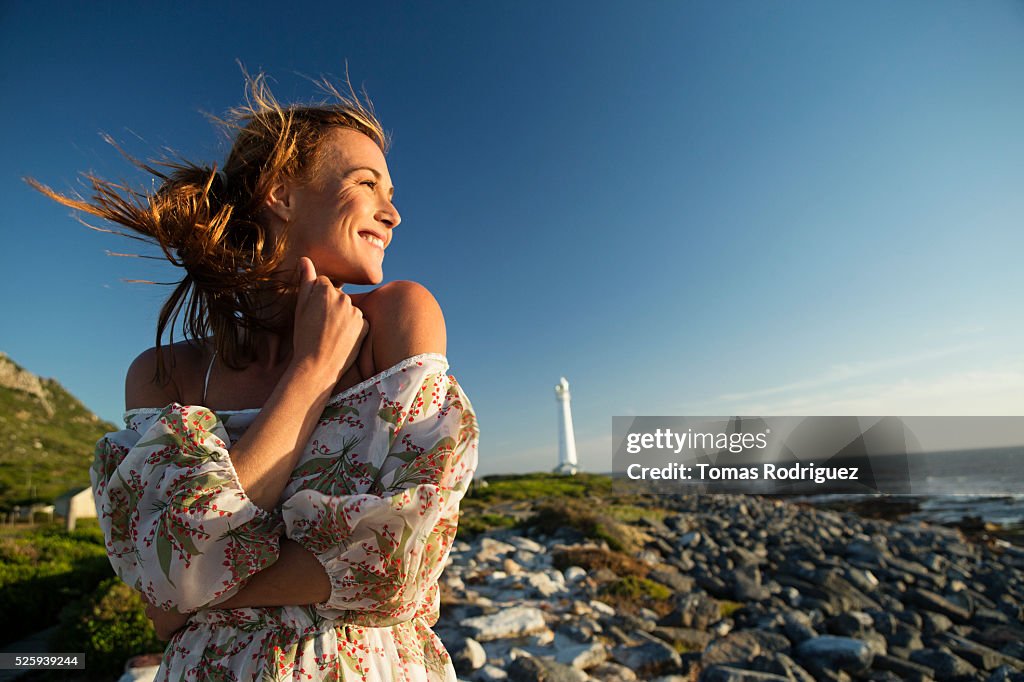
x=210, y=222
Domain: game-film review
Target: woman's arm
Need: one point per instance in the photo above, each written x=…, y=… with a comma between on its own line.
x=297, y=577
x=327, y=336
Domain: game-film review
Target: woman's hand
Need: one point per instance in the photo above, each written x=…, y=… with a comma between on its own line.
x=329, y=329
x=166, y=623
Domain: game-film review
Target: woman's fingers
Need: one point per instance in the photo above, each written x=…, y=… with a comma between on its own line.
x=307, y=275
x=329, y=328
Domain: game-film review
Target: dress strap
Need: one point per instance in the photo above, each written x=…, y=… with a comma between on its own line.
x=206, y=383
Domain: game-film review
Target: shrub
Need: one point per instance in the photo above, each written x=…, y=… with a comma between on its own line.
x=593, y=558
x=44, y=570
x=633, y=587
x=553, y=515
x=630, y=593
x=476, y=523
x=109, y=626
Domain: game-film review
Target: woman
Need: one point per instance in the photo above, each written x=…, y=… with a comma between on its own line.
x=289, y=478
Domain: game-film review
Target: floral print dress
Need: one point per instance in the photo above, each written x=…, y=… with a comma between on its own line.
x=375, y=496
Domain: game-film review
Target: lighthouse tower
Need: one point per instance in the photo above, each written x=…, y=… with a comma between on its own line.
x=566, y=440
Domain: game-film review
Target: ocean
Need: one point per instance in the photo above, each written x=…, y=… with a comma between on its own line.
x=987, y=484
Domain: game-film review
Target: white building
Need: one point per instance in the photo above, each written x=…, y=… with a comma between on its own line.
x=567, y=463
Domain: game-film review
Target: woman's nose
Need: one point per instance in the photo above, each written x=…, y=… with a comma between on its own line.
x=389, y=215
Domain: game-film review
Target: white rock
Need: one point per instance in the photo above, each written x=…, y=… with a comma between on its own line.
x=144, y=674
x=543, y=583
x=574, y=574
x=527, y=558
x=602, y=608
x=542, y=638
x=474, y=653
x=514, y=622
x=492, y=550
x=491, y=673
x=526, y=544
x=453, y=581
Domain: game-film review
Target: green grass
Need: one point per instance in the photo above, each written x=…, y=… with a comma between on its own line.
x=473, y=523
x=506, y=488
x=632, y=587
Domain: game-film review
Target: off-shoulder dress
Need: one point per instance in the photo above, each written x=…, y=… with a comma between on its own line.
x=375, y=496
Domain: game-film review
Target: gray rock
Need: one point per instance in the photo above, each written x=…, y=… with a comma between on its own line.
x=652, y=657
x=747, y=585
x=792, y=669
x=934, y=623
x=979, y=655
x=850, y=624
x=742, y=646
x=610, y=671
x=583, y=630
x=832, y=652
x=744, y=557
x=905, y=670
x=687, y=639
x=905, y=636
x=930, y=601
x=582, y=656
x=797, y=626
x=513, y=622
x=862, y=579
x=671, y=576
x=691, y=539
x=715, y=586
x=530, y=669
x=947, y=666
x=724, y=673
x=1005, y=673
x=693, y=610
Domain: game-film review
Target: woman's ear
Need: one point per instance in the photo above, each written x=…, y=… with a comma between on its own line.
x=281, y=200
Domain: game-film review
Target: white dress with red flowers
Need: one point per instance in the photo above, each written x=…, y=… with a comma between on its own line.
x=375, y=496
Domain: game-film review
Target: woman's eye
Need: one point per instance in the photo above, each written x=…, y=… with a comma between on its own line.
x=369, y=183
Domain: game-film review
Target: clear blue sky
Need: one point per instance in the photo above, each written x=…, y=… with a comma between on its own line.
x=692, y=208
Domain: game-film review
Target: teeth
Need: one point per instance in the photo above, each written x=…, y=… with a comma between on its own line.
x=379, y=243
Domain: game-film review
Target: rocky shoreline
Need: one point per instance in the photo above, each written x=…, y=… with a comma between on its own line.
x=730, y=588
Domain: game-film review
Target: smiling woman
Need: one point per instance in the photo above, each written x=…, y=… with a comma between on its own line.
x=343, y=220
x=286, y=490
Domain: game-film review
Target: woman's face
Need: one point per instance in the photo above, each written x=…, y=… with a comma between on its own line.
x=343, y=218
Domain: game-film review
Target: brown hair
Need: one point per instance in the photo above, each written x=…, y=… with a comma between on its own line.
x=208, y=221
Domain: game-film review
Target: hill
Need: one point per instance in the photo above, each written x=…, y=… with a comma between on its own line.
x=47, y=437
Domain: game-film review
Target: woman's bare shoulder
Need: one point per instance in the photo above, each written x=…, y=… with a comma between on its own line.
x=405, y=320
x=142, y=387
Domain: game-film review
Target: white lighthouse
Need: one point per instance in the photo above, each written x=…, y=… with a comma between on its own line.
x=566, y=440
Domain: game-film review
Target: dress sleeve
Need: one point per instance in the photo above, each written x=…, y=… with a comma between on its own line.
x=384, y=552
x=177, y=523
